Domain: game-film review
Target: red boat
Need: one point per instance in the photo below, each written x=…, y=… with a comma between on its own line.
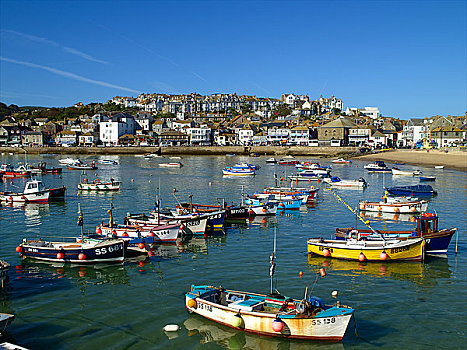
x=288, y=162
x=9, y=172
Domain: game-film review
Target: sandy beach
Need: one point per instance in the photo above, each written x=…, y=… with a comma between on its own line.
x=453, y=159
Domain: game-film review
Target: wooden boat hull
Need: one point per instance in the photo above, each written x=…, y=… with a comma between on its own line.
x=412, y=250
x=329, y=325
x=109, y=251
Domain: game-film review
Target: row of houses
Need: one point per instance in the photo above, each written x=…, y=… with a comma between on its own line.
x=144, y=129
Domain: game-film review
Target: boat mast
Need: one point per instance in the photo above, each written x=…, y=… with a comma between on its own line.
x=80, y=220
x=271, y=260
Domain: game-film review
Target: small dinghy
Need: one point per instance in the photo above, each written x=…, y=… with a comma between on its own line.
x=427, y=178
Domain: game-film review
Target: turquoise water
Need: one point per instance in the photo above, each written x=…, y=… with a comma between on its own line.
x=398, y=306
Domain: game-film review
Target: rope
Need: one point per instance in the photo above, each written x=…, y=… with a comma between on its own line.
x=367, y=223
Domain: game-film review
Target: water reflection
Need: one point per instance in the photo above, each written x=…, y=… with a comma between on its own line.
x=263, y=221
x=426, y=273
x=228, y=338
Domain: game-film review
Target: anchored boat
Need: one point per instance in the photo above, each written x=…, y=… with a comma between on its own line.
x=271, y=314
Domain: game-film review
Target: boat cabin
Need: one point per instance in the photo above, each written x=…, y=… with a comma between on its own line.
x=427, y=223
x=34, y=187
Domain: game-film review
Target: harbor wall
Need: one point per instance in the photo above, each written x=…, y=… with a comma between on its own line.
x=190, y=150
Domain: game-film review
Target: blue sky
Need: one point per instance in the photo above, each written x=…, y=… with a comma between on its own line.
x=408, y=58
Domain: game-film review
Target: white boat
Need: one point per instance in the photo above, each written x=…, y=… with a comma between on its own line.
x=271, y=314
x=439, y=167
x=161, y=233
x=377, y=166
x=108, y=161
x=175, y=157
x=338, y=182
x=397, y=171
x=171, y=165
x=97, y=185
x=396, y=205
x=341, y=161
x=263, y=209
x=5, y=320
x=67, y=161
x=271, y=160
x=231, y=171
x=34, y=192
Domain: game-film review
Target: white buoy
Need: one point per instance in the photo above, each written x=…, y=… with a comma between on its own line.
x=210, y=184
x=171, y=328
x=334, y=293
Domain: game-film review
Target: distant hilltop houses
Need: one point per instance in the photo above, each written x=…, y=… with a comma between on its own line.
x=222, y=120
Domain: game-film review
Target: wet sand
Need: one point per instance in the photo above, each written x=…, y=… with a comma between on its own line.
x=453, y=159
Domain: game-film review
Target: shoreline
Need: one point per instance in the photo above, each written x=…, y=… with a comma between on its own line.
x=455, y=159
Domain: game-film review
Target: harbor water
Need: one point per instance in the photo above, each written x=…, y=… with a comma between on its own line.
x=398, y=305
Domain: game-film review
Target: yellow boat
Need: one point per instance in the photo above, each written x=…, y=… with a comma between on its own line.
x=352, y=249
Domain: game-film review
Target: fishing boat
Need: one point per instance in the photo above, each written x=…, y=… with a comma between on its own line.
x=84, y=252
x=377, y=166
x=230, y=171
x=271, y=160
x=311, y=192
x=285, y=203
x=97, y=185
x=149, y=233
x=271, y=314
x=34, y=192
x=232, y=212
x=171, y=165
x=80, y=166
x=42, y=169
x=194, y=224
x=341, y=161
x=436, y=241
x=395, y=205
x=338, y=182
x=427, y=178
x=413, y=191
x=262, y=209
x=246, y=166
x=8, y=171
x=439, y=167
x=4, y=267
x=354, y=249
x=397, y=171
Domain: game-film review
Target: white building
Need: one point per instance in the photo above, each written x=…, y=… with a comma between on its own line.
x=413, y=132
x=110, y=130
x=372, y=112
x=200, y=135
x=245, y=135
x=359, y=135
x=299, y=135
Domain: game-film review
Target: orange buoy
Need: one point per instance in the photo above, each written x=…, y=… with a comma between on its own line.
x=326, y=253
x=141, y=263
x=124, y=234
x=60, y=255
x=322, y=272
x=98, y=231
x=82, y=256
x=141, y=246
x=300, y=274
x=19, y=249
x=383, y=256
x=361, y=257
x=264, y=210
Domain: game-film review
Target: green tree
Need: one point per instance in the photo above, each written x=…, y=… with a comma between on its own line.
x=282, y=110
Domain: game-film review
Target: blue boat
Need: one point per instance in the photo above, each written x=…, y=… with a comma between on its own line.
x=412, y=191
x=81, y=252
x=282, y=204
x=427, y=178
